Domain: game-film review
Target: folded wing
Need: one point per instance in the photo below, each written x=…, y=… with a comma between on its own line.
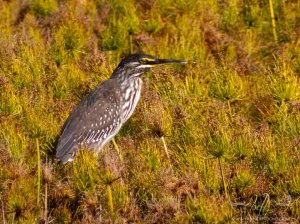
x=92, y=123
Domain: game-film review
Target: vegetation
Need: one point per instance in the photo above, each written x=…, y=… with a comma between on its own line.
x=229, y=120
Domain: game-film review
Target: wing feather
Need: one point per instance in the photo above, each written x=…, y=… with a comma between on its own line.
x=92, y=122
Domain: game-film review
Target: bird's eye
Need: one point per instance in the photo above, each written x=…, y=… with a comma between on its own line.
x=143, y=60
x=146, y=60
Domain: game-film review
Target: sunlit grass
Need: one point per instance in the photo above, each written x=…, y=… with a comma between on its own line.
x=212, y=141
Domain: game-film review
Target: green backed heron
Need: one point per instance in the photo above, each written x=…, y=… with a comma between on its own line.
x=101, y=114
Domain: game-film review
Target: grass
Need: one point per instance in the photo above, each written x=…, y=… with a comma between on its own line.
x=214, y=141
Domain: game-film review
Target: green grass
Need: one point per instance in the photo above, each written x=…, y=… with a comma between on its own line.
x=213, y=141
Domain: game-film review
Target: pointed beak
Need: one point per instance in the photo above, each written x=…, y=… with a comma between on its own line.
x=166, y=61
x=155, y=62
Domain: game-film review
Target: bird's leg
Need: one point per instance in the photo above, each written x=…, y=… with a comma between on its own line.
x=117, y=149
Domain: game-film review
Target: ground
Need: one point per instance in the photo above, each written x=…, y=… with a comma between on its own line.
x=230, y=118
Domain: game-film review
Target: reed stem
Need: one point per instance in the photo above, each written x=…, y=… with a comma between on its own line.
x=110, y=199
x=117, y=149
x=165, y=146
x=273, y=21
x=38, y=172
x=223, y=178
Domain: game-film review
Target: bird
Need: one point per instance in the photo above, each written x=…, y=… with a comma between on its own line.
x=98, y=117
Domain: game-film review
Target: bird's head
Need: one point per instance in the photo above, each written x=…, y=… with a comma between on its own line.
x=137, y=64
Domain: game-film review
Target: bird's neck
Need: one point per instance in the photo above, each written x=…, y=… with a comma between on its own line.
x=131, y=94
x=125, y=76
x=131, y=82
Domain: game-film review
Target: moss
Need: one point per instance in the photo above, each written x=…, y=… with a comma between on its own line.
x=222, y=129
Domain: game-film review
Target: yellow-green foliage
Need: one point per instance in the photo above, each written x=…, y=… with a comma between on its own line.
x=213, y=141
x=43, y=8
